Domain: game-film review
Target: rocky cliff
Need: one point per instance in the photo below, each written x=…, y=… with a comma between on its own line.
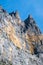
x=16, y=47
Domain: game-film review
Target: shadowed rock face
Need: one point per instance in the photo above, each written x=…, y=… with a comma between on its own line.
x=16, y=47
x=30, y=24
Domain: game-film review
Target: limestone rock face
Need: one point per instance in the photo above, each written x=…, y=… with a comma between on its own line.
x=16, y=48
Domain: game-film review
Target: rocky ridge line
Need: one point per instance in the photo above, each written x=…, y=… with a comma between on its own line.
x=14, y=46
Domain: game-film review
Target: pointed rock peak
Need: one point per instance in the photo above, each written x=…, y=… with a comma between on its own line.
x=17, y=14
x=30, y=16
x=30, y=19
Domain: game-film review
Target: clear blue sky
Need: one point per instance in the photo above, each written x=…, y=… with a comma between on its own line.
x=26, y=7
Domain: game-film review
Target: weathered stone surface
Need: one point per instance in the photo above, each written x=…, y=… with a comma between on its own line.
x=16, y=47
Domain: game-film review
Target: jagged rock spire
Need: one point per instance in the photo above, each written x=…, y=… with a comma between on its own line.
x=30, y=19
x=30, y=16
x=17, y=14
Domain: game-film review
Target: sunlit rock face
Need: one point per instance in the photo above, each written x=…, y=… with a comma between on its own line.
x=15, y=46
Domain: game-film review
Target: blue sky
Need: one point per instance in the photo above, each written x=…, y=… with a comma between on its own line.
x=26, y=7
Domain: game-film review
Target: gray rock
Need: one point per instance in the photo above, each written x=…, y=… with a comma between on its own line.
x=11, y=54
